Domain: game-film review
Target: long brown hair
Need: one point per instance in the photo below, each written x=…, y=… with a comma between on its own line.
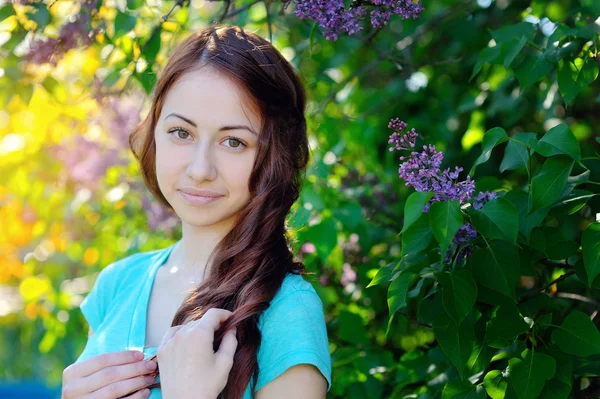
x=251, y=261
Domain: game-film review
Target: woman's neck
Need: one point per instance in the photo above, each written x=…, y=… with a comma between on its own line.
x=192, y=252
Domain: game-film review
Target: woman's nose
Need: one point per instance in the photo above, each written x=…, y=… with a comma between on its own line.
x=201, y=165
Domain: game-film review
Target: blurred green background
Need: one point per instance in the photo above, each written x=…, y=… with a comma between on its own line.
x=72, y=199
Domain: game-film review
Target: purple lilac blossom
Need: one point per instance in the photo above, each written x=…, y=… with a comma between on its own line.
x=348, y=275
x=483, y=198
x=421, y=170
x=334, y=18
x=71, y=35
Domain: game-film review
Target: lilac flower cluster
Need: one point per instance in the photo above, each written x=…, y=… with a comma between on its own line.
x=334, y=18
x=421, y=170
x=482, y=199
x=71, y=35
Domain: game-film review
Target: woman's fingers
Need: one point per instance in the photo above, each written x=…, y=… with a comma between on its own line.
x=213, y=318
x=113, y=374
x=227, y=350
x=141, y=394
x=121, y=388
x=170, y=334
x=96, y=363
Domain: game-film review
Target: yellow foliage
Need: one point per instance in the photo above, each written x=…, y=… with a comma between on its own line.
x=11, y=264
x=57, y=236
x=92, y=218
x=13, y=229
x=33, y=288
x=91, y=256
x=475, y=132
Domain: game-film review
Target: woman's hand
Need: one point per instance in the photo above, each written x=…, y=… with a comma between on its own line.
x=189, y=368
x=109, y=376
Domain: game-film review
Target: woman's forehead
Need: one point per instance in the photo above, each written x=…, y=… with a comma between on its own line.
x=210, y=98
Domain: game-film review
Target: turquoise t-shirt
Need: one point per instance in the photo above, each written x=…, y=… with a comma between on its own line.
x=293, y=327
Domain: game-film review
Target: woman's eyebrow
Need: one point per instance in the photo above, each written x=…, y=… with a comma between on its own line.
x=223, y=128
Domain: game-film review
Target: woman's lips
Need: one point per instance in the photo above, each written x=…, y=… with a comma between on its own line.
x=198, y=199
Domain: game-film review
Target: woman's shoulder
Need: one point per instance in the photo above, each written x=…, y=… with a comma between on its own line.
x=293, y=285
x=293, y=331
x=131, y=265
x=296, y=294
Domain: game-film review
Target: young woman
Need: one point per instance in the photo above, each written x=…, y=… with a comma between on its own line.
x=225, y=309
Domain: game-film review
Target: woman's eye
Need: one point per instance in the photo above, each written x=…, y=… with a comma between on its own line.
x=180, y=133
x=234, y=143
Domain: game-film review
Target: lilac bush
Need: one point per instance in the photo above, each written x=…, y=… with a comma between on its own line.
x=422, y=171
x=74, y=34
x=334, y=18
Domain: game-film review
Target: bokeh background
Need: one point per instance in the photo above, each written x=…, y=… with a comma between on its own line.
x=75, y=79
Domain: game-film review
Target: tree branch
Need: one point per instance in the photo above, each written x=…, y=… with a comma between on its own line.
x=533, y=293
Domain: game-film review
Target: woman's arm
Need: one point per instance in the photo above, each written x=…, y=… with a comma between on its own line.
x=303, y=381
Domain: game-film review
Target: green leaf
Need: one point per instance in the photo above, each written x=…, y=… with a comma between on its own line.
x=134, y=4
x=488, y=55
x=456, y=341
x=152, y=46
x=124, y=23
x=350, y=215
x=573, y=202
x=445, y=219
x=459, y=292
x=41, y=15
x=532, y=69
x=559, y=140
x=399, y=288
x=515, y=154
x=561, y=250
x=323, y=236
x=457, y=389
x=527, y=222
x=492, y=138
x=429, y=308
x=548, y=184
x=299, y=217
x=577, y=335
x=384, y=274
x=495, y=384
x=6, y=11
x=511, y=40
x=497, y=267
x=418, y=236
x=529, y=372
x=574, y=76
x=556, y=390
x=508, y=33
x=351, y=327
x=56, y=89
x=505, y=326
x=147, y=79
x=112, y=78
x=511, y=49
x=590, y=248
x=397, y=292
x=497, y=219
x=413, y=208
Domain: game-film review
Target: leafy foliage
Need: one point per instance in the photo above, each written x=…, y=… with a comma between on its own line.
x=507, y=90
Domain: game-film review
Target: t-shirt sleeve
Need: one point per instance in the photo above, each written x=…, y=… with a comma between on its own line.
x=293, y=332
x=95, y=304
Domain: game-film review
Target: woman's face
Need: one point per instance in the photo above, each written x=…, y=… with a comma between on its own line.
x=206, y=142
